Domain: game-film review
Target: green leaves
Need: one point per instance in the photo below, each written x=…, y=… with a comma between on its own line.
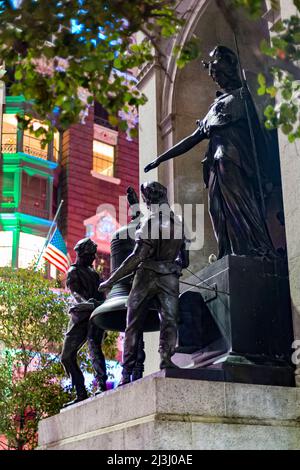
x=267, y=49
x=190, y=51
x=297, y=4
x=286, y=128
x=32, y=322
x=18, y=74
x=272, y=91
x=283, y=49
x=263, y=84
x=264, y=88
x=57, y=48
x=285, y=115
x=109, y=347
x=255, y=7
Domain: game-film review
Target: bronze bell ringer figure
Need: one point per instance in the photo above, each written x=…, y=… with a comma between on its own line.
x=157, y=259
x=111, y=315
x=83, y=282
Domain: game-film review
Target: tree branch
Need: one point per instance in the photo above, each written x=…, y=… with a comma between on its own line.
x=286, y=65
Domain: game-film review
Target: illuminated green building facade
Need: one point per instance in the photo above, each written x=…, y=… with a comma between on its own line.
x=26, y=186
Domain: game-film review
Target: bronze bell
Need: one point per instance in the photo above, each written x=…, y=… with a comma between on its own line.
x=111, y=315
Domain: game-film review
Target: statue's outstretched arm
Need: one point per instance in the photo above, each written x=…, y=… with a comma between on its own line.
x=129, y=265
x=179, y=149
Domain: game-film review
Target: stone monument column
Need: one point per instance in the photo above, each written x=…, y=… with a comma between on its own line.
x=290, y=173
x=148, y=145
x=290, y=176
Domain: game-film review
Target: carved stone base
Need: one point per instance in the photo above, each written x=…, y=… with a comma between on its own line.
x=241, y=327
x=162, y=413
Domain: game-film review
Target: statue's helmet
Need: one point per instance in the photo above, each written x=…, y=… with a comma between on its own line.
x=223, y=67
x=154, y=193
x=225, y=55
x=86, y=246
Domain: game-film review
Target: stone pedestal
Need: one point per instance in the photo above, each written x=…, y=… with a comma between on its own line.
x=242, y=324
x=160, y=413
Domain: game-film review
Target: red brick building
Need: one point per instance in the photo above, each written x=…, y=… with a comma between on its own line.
x=90, y=165
x=97, y=165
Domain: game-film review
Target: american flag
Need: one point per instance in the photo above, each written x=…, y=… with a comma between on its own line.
x=56, y=252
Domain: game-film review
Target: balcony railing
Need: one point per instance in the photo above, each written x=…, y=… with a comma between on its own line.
x=8, y=148
x=32, y=146
x=9, y=143
x=33, y=210
x=7, y=210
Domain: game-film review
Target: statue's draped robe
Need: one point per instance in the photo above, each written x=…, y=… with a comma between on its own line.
x=231, y=177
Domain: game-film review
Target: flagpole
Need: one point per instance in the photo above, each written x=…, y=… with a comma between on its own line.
x=49, y=232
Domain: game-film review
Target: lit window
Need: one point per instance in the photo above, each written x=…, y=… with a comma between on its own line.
x=56, y=146
x=6, y=243
x=103, y=158
x=32, y=144
x=9, y=133
x=30, y=247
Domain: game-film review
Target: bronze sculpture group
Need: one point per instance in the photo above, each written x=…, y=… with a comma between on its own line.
x=238, y=221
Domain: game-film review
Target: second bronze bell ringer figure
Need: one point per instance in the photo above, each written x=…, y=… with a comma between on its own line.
x=83, y=282
x=157, y=259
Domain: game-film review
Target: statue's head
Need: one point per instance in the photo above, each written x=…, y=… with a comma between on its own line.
x=86, y=251
x=223, y=68
x=154, y=193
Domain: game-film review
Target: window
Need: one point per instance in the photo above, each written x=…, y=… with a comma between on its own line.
x=103, y=158
x=6, y=243
x=32, y=145
x=35, y=195
x=30, y=247
x=9, y=133
x=56, y=140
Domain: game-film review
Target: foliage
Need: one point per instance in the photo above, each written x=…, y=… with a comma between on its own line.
x=285, y=46
x=189, y=51
x=25, y=401
x=68, y=53
x=32, y=321
x=284, y=54
x=110, y=348
x=255, y=7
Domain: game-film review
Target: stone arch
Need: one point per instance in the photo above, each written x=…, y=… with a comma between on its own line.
x=196, y=10
x=187, y=96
